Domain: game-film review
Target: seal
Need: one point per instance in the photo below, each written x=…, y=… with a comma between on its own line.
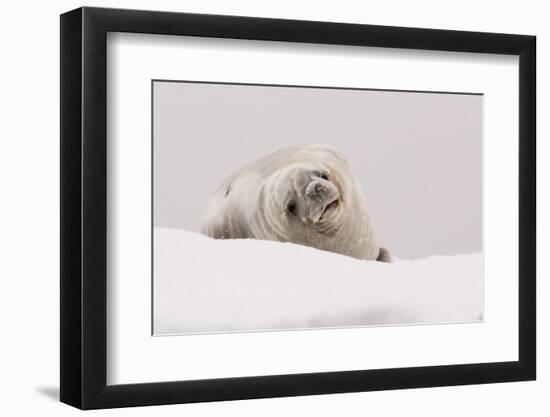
x=301, y=194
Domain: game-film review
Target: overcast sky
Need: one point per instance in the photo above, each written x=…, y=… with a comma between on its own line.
x=418, y=156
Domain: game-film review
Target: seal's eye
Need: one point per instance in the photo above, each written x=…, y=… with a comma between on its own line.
x=291, y=208
x=324, y=176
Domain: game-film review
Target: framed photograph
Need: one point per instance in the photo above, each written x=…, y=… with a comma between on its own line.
x=257, y=208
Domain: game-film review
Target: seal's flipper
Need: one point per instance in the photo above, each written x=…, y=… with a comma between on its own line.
x=384, y=255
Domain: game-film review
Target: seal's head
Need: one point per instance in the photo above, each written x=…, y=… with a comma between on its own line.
x=309, y=199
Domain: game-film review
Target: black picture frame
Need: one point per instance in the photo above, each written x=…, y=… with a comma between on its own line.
x=84, y=207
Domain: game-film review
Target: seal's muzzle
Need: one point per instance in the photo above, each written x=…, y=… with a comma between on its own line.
x=322, y=196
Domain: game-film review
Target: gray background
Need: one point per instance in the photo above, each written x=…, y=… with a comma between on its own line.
x=418, y=156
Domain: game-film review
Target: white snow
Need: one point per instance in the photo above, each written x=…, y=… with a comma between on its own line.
x=202, y=285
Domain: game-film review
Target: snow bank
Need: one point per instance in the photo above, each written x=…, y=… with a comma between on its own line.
x=206, y=285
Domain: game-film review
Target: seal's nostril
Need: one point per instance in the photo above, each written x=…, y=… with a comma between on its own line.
x=320, y=191
x=316, y=191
